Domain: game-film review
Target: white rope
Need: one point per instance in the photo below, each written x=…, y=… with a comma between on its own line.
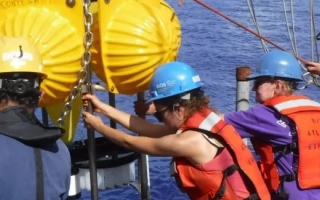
x=254, y=19
x=293, y=45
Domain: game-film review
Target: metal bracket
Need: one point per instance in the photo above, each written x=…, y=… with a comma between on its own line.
x=87, y=89
x=91, y=88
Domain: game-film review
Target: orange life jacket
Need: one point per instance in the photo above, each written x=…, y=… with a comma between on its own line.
x=212, y=185
x=305, y=113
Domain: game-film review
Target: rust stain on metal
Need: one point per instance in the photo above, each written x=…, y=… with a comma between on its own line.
x=242, y=73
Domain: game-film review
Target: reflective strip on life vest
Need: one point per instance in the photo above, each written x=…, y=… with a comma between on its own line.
x=296, y=103
x=208, y=123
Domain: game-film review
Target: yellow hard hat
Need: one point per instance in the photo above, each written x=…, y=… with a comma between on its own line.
x=17, y=54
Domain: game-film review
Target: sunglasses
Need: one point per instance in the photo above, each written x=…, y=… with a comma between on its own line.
x=159, y=114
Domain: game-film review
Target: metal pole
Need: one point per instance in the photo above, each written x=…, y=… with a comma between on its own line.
x=143, y=166
x=92, y=148
x=242, y=89
x=113, y=124
x=112, y=102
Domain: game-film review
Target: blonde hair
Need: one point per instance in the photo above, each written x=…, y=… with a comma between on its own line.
x=289, y=87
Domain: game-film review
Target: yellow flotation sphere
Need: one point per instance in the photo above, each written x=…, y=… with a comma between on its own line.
x=70, y=122
x=132, y=38
x=57, y=30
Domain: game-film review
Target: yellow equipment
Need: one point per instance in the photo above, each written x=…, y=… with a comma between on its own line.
x=56, y=31
x=132, y=38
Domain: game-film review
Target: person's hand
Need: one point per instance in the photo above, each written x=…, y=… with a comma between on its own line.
x=92, y=121
x=313, y=67
x=96, y=103
x=142, y=108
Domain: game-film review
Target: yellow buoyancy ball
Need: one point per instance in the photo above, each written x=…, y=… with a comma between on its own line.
x=132, y=38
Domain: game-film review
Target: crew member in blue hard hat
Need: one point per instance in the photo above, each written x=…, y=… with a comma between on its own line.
x=284, y=129
x=141, y=108
x=210, y=160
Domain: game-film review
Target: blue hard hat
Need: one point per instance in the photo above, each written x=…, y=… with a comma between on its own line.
x=278, y=64
x=171, y=79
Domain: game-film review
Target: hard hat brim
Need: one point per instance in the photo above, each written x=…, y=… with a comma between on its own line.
x=159, y=97
x=163, y=97
x=255, y=76
x=151, y=100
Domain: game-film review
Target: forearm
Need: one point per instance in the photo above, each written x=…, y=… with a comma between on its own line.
x=136, y=124
x=114, y=135
x=134, y=143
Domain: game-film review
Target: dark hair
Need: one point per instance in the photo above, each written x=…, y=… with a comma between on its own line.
x=29, y=99
x=198, y=102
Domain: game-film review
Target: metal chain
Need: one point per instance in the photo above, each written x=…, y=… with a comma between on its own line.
x=85, y=62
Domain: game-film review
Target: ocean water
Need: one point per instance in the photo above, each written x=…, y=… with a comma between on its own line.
x=215, y=47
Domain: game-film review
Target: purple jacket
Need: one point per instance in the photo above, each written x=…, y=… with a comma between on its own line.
x=269, y=126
